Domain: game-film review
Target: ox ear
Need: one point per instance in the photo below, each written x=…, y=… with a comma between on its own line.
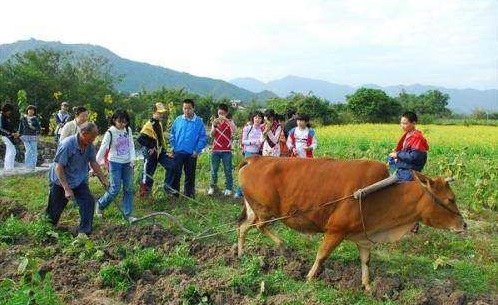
x=422, y=178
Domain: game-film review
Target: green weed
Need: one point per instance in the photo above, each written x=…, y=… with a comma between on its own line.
x=195, y=296
x=180, y=258
x=116, y=277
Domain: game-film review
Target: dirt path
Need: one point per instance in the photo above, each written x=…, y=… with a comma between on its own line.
x=20, y=170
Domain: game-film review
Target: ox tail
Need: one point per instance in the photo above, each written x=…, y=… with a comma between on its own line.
x=246, y=161
x=242, y=216
x=242, y=164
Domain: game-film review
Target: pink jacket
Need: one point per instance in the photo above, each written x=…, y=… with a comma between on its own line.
x=252, y=138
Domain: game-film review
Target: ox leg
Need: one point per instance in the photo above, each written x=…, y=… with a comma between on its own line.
x=365, y=262
x=330, y=241
x=244, y=226
x=273, y=237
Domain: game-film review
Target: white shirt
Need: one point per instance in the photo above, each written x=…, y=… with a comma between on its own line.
x=122, y=148
x=301, y=136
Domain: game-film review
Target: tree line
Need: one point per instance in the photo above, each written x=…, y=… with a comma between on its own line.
x=45, y=78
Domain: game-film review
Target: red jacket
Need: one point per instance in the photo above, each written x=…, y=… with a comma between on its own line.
x=415, y=141
x=222, y=137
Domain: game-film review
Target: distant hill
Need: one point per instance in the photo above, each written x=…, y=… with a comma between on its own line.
x=250, y=84
x=138, y=76
x=461, y=100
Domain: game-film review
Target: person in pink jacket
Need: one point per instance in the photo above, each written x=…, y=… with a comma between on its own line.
x=252, y=139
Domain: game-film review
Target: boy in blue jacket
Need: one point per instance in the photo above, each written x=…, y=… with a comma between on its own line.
x=411, y=151
x=187, y=139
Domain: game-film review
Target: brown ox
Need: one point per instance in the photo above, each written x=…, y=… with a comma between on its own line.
x=303, y=194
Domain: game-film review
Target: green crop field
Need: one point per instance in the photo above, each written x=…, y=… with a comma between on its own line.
x=154, y=262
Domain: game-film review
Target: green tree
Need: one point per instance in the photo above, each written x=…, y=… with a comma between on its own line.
x=432, y=103
x=317, y=108
x=373, y=105
x=435, y=103
x=22, y=101
x=280, y=105
x=85, y=80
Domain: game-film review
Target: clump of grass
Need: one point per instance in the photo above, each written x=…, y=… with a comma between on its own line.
x=115, y=276
x=180, y=258
x=122, y=275
x=35, y=290
x=33, y=287
x=248, y=281
x=13, y=230
x=192, y=295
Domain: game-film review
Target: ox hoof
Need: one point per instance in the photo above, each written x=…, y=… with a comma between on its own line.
x=310, y=278
x=281, y=250
x=368, y=288
x=233, y=250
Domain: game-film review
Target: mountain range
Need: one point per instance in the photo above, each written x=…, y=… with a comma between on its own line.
x=138, y=76
x=461, y=100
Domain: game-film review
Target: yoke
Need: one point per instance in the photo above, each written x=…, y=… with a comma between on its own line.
x=363, y=192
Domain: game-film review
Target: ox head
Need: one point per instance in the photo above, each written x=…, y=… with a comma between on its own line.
x=439, y=207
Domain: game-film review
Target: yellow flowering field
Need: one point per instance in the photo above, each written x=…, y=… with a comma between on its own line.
x=468, y=153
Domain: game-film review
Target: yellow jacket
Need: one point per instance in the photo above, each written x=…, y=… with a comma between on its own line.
x=148, y=130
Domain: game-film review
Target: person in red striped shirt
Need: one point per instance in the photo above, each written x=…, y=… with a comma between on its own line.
x=222, y=131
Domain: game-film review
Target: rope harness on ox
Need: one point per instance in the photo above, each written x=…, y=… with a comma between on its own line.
x=438, y=201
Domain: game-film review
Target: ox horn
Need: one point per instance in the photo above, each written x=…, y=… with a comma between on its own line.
x=449, y=179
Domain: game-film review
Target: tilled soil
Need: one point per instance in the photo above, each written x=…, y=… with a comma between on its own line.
x=76, y=281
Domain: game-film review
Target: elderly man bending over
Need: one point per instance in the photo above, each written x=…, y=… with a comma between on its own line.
x=69, y=177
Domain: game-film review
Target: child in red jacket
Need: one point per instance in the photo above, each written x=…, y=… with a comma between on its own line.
x=411, y=151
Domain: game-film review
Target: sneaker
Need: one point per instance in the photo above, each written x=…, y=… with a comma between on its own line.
x=82, y=235
x=98, y=210
x=210, y=191
x=227, y=193
x=237, y=195
x=131, y=219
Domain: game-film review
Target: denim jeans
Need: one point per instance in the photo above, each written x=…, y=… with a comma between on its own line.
x=238, y=192
x=226, y=158
x=404, y=175
x=10, y=154
x=119, y=172
x=57, y=202
x=31, y=154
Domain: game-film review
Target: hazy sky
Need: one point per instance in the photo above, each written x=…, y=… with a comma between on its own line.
x=452, y=43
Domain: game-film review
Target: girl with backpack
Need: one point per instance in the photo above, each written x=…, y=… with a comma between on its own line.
x=252, y=139
x=119, y=148
x=252, y=135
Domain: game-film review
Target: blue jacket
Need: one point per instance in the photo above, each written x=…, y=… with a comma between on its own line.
x=411, y=159
x=188, y=135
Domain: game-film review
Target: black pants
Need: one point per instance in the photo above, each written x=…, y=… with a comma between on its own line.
x=150, y=165
x=57, y=202
x=187, y=163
